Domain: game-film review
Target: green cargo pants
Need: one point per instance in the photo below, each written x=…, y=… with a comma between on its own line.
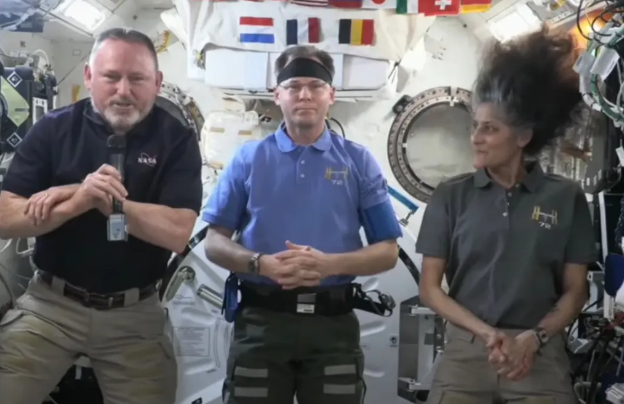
x=275, y=356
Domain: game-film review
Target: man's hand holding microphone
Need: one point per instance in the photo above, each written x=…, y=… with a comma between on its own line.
x=96, y=192
x=99, y=189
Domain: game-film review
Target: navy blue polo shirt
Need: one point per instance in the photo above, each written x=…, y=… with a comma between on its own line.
x=319, y=195
x=163, y=166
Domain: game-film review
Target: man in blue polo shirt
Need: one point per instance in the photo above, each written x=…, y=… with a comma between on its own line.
x=299, y=199
x=92, y=296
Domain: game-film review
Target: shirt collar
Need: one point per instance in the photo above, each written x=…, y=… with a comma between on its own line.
x=532, y=181
x=286, y=144
x=96, y=118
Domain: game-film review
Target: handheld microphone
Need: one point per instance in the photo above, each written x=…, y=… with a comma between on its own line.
x=117, y=228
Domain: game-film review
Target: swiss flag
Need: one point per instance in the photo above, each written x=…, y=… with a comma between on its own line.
x=439, y=7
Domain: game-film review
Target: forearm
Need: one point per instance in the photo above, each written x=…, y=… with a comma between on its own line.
x=15, y=224
x=158, y=225
x=370, y=260
x=227, y=253
x=446, y=307
x=565, y=312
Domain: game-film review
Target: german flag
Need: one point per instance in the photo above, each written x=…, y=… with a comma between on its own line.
x=474, y=6
x=356, y=32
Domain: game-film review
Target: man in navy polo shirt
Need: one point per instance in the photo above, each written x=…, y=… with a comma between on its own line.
x=299, y=199
x=92, y=296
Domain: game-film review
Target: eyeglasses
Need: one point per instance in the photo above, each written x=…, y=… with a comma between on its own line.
x=313, y=87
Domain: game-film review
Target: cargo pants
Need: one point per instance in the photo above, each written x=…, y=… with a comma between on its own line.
x=464, y=375
x=277, y=356
x=43, y=336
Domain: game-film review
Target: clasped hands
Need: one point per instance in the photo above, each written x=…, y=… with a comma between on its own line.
x=297, y=266
x=96, y=192
x=512, y=357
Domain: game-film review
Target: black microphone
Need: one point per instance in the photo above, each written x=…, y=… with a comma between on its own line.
x=117, y=228
x=116, y=145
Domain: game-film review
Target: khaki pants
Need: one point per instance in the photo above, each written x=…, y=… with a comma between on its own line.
x=42, y=337
x=465, y=376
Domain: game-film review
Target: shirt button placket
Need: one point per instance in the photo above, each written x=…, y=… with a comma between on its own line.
x=300, y=172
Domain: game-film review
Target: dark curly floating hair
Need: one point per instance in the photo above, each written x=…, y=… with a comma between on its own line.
x=530, y=81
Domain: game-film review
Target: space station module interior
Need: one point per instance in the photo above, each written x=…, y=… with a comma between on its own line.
x=403, y=346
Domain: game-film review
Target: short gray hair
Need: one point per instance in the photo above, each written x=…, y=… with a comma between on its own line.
x=304, y=51
x=126, y=35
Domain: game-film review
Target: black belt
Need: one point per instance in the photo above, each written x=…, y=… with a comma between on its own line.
x=97, y=301
x=331, y=301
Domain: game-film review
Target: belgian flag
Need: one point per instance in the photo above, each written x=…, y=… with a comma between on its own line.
x=356, y=32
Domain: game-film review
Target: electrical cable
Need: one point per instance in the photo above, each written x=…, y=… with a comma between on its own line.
x=571, y=328
x=598, y=365
x=601, y=364
x=342, y=131
x=619, y=367
x=588, y=355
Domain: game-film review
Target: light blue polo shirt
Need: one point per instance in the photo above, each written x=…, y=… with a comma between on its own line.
x=319, y=195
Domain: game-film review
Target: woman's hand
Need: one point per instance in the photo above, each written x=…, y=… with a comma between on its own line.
x=513, y=357
x=494, y=341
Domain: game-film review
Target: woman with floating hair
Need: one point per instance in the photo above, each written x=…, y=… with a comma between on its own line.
x=513, y=241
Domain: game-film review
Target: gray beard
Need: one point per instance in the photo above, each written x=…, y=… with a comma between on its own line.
x=116, y=129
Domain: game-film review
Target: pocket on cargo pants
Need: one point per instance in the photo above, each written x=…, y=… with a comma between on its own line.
x=256, y=381
x=332, y=380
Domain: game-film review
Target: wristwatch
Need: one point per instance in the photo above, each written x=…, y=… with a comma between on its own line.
x=254, y=264
x=541, y=336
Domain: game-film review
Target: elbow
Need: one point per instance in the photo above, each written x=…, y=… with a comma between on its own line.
x=209, y=246
x=391, y=256
x=179, y=247
x=391, y=261
x=216, y=242
x=579, y=296
x=424, y=295
x=5, y=230
x=181, y=241
x=5, y=234
x=428, y=293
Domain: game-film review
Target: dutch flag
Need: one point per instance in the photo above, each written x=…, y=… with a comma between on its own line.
x=256, y=30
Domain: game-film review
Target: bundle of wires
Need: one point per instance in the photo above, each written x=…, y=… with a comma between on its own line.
x=599, y=358
x=601, y=57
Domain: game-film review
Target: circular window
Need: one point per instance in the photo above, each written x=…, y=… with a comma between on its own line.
x=429, y=140
x=181, y=106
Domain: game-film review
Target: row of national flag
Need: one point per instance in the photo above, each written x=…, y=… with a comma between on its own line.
x=261, y=30
x=426, y=7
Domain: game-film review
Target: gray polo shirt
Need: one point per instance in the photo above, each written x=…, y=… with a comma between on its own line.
x=506, y=249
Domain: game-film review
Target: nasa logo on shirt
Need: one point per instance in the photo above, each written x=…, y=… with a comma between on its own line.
x=147, y=160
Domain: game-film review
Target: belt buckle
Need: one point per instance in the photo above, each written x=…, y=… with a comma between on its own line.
x=85, y=296
x=306, y=303
x=109, y=300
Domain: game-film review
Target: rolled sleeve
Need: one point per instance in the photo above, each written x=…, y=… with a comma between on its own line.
x=30, y=170
x=581, y=245
x=182, y=185
x=434, y=237
x=228, y=200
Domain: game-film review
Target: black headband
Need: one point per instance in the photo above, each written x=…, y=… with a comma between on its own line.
x=304, y=67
